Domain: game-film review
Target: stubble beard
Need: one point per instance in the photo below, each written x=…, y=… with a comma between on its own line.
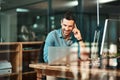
x=65, y=35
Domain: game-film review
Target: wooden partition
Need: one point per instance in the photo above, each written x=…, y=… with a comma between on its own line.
x=20, y=55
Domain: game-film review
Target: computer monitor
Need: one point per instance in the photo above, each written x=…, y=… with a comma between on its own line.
x=111, y=36
x=110, y=45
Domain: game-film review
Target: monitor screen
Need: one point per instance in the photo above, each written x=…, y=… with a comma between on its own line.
x=111, y=36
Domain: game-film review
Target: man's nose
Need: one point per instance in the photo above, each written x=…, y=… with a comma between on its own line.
x=66, y=28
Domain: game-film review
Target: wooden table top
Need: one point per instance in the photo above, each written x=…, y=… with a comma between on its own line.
x=83, y=72
x=44, y=66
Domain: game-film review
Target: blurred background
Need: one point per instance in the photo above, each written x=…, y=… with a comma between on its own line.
x=31, y=20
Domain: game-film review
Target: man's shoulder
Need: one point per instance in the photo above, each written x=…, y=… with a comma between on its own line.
x=56, y=31
x=53, y=34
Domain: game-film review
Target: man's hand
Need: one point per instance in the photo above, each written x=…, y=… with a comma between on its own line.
x=77, y=33
x=78, y=36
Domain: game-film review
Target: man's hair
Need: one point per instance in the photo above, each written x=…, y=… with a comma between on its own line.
x=69, y=15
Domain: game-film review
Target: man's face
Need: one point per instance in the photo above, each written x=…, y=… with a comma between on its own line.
x=67, y=27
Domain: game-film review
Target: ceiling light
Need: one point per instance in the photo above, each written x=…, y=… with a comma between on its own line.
x=22, y=10
x=72, y=3
x=105, y=1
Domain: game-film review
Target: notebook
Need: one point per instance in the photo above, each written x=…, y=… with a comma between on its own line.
x=62, y=55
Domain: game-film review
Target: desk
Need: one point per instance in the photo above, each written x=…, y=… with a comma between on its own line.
x=82, y=72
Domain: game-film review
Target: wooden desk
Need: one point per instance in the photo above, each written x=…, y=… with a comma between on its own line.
x=82, y=72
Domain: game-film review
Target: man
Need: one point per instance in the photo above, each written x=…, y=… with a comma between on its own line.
x=67, y=35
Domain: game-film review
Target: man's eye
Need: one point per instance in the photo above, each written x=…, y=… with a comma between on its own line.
x=70, y=26
x=65, y=25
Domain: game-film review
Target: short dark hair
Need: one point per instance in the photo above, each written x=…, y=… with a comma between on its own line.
x=69, y=15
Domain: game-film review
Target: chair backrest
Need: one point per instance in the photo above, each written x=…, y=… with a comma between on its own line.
x=41, y=60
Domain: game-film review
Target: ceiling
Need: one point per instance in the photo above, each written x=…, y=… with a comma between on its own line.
x=57, y=5
x=109, y=7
